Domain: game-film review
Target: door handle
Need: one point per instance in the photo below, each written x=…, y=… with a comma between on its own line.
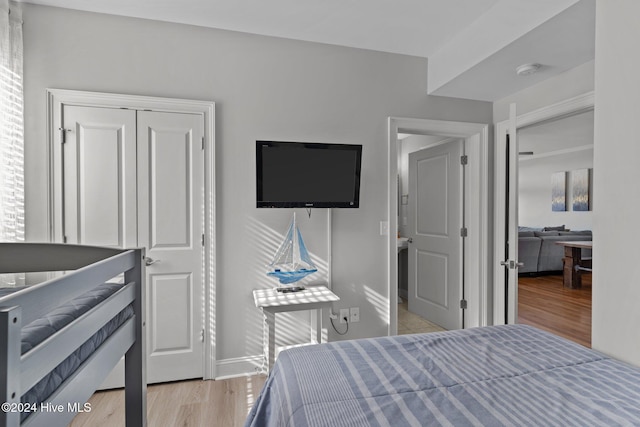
x=150, y=261
x=410, y=240
x=511, y=264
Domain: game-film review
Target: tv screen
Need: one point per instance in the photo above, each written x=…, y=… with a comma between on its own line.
x=308, y=175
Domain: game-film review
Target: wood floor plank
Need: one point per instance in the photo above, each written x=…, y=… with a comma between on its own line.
x=194, y=403
x=544, y=303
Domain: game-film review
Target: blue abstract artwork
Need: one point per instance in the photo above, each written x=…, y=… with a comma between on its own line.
x=580, y=189
x=559, y=191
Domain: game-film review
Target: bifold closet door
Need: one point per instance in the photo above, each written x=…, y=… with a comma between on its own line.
x=99, y=174
x=136, y=179
x=171, y=227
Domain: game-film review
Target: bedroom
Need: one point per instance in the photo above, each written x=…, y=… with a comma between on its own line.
x=260, y=85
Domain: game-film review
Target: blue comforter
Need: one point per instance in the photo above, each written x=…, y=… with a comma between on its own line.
x=511, y=375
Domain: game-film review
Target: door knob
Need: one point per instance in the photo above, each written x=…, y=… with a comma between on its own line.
x=511, y=264
x=150, y=261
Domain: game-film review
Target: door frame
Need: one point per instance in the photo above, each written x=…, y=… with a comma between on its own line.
x=57, y=98
x=558, y=110
x=476, y=204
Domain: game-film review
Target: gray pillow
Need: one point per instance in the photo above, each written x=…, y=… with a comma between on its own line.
x=546, y=233
x=529, y=228
x=557, y=228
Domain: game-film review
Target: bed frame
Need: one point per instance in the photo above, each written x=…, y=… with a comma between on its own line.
x=92, y=266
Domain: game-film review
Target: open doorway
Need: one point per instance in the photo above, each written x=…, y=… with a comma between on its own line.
x=474, y=303
x=555, y=166
x=421, y=304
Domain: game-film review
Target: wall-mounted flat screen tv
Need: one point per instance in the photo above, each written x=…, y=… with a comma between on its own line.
x=307, y=175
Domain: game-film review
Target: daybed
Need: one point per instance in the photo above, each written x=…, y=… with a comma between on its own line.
x=512, y=375
x=59, y=339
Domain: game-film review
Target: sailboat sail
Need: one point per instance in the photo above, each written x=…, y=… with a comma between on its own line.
x=292, y=261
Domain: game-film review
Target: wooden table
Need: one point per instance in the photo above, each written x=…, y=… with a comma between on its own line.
x=270, y=301
x=573, y=263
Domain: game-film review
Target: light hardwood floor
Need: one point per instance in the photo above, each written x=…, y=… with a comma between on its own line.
x=543, y=302
x=220, y=403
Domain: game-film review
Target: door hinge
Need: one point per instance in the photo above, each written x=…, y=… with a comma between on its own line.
x=63, y=135
x=202, y=335
x=464, y=160
x=463, y=232
x=463, y=304
x=203, y=142
x=202, y=240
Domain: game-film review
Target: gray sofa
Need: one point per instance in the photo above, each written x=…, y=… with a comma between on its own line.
x=538, y=250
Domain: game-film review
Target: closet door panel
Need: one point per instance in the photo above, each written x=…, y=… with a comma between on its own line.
x=170, y=201
x=171, y=226
x=99, y=176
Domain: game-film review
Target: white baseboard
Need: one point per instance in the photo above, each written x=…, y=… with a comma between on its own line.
x=239, y=367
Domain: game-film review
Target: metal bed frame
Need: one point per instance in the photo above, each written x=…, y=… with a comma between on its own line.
x=92, y=266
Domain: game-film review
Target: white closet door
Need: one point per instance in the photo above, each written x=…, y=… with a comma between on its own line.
x=170, y=226
x=100, y=176
x=137, y=179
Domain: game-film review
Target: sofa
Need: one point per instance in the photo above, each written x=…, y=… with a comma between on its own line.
x=538, y=251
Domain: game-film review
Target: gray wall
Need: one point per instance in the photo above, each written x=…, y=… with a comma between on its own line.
x=534, y=191
x=264, y=88
x=616, y=289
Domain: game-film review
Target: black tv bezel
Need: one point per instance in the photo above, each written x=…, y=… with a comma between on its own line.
x=307, y=203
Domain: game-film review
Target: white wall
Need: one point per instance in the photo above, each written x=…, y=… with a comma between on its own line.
x=534, y=191
x=616, y=288
x=264, y=88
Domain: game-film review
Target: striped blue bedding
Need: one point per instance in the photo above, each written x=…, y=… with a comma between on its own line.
x=512, y=375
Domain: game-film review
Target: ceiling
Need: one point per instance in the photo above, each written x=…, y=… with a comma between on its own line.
x=473, y=46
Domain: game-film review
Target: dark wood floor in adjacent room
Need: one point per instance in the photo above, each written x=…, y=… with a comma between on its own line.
x=544, y=303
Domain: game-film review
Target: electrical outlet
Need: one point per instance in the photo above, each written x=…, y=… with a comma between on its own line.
x=354, y=314
x=344, y=315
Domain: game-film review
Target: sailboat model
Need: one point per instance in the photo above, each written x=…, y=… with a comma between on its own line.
x=291, y=261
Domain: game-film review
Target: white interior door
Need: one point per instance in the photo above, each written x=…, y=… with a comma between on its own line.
x=136, y=178
x=100, y=176
x=435, y=220
x=171, y=227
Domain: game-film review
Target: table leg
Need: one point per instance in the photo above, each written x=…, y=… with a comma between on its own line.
x=319, y=325
x=572, y=277
x=271, y=342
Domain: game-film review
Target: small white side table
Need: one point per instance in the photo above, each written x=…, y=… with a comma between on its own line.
x=270, y=301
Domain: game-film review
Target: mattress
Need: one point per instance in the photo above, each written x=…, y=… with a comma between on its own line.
x=39, y=330
x=512, y=375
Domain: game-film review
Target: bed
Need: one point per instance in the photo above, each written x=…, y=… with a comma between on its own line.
x=512, y=375
x=60, y=339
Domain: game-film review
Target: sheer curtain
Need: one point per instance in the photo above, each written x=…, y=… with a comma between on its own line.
x=11, y=128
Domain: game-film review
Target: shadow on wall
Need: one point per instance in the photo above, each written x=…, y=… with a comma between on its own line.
x=292, y=328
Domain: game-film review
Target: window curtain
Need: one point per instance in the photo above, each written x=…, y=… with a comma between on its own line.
x=11, y=129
